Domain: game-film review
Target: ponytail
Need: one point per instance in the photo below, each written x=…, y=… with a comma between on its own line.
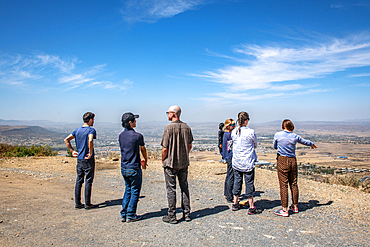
x=242, y=117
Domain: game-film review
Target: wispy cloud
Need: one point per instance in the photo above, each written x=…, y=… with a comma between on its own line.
x=153, y=10
x=39, y=69
x=231, y=97
x=271, y=68
x=363, y=85
x=336, y=6
x=360, y=75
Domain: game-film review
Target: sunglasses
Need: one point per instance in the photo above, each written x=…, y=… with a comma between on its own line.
x=232, y=125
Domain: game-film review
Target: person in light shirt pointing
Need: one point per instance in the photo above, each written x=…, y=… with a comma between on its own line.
x=285, y=142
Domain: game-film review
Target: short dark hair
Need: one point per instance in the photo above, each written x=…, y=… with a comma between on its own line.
x=287, y=124
x=126, y=125
x=87, y=116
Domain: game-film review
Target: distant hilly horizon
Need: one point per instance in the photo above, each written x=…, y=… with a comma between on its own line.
x=17, y=132
x=48, y=123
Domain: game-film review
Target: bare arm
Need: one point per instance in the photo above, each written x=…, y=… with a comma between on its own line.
x=91, y=146
x=144, y=153
x=164, y=153
x=190, y=147
x=67, y=141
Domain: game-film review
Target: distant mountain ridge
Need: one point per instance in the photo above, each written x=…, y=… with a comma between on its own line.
x=6, y=130
x=30, y=123
x=48, y=123
x=28, y=135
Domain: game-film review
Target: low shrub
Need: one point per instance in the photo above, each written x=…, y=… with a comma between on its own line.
x=366, y=185
x=351, y=180
x=24, y=151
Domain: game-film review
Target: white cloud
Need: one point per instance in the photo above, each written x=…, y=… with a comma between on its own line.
x=153, y=10
x=43, y=69
x=360, y=75
x=336, y=6
x=65, y=65
x=271, y=68
x=265, y=69
x=363, y=85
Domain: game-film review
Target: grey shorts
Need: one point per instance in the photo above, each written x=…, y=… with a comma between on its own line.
x=238, y=183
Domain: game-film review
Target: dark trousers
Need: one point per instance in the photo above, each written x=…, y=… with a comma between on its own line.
x=287, y=174
x=249, y=183
x=85, y=170
x=220, y=150
x=170, y=177
x=229, y=181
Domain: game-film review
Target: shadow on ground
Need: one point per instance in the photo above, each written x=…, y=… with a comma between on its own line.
x=194, y=215
x=302, y=206
x=114, y=202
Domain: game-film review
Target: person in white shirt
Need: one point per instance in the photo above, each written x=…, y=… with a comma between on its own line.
x=244, y=158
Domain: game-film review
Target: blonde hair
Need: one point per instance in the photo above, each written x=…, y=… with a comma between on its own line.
x=242, y=117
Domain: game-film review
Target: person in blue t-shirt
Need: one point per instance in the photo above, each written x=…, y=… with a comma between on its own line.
x=131, y=143
x=84, y=137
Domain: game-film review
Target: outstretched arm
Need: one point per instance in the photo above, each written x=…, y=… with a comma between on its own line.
x=67, y=141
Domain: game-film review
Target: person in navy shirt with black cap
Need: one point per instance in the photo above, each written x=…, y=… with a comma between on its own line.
x=131, y=143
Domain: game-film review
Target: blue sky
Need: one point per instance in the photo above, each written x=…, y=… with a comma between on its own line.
x=303, y=60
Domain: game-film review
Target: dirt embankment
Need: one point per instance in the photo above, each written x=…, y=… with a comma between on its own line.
x=37, y=208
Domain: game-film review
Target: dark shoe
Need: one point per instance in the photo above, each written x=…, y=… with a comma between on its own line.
x=168, y=219
x=80, y=206
x=123, y=219
x=186, y=217
x=91, y=206
x=293, y=210
x=254, y=211
x=133, y=218
x=236, y=207
x=230, y=201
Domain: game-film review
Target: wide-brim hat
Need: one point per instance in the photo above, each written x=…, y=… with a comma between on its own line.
x=227, y=123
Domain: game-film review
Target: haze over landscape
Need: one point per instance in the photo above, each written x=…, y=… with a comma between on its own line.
x=301, y=60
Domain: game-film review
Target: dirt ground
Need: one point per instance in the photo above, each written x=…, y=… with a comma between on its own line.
x=37, y=206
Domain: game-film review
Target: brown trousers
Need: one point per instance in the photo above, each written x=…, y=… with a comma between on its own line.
x=287, y=173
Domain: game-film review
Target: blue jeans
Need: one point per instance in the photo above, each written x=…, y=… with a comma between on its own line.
x=133, y=181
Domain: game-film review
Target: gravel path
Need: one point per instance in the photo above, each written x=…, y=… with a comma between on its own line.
x=37, y=210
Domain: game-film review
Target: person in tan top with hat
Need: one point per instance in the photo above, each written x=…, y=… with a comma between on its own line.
x=227, y=153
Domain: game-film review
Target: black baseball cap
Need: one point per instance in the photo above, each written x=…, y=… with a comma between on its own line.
x=128, y=116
